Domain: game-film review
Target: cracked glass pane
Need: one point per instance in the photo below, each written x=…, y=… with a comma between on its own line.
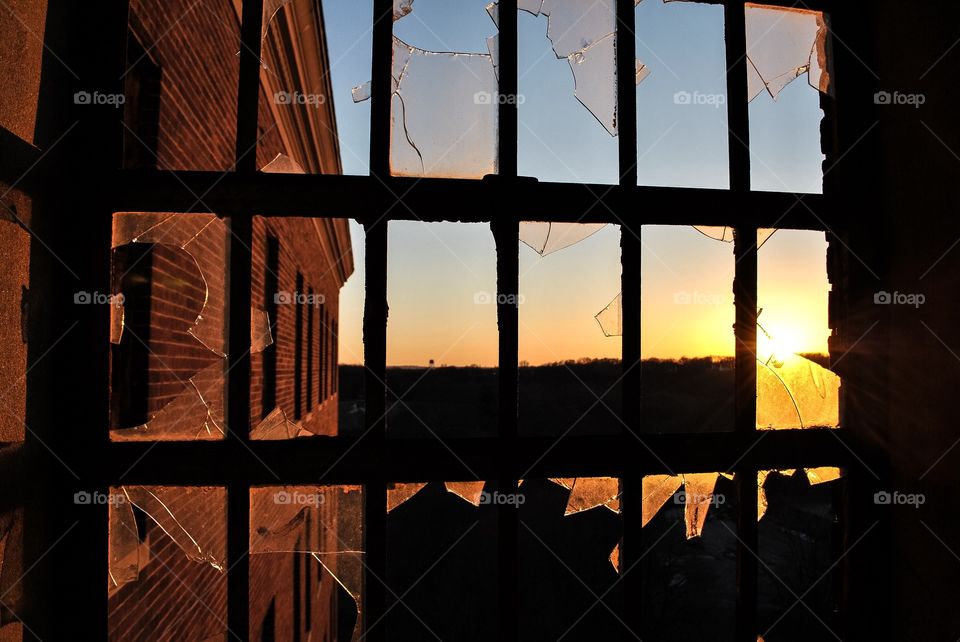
x=786, y=45
x=442, y=342
x=444, y=575
x=798, y=536
x=170, y=100
x=169, y=541
x=687, y=343
x=296, y=107
x=682, y=106
x=689, y=587
x=567, y=97
x=168, y=326
x=795, y=387
x=15, y=240
x=22, y=51
x=568, y=588
x=569, y=375
x=306, y=561
x=444, y=100
x=306, y=285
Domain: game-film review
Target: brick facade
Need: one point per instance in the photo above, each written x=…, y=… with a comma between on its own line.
x=191, y=49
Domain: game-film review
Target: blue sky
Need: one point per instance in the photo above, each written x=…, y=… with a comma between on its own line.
x=435, y=272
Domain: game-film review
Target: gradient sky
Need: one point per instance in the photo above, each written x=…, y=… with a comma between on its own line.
x=440, y=276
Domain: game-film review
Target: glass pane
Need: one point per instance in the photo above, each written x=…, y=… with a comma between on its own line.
x=304, y=289
x=789, y=67
x=567, y=92
x=167, y=562
x=682, y=97
x=168, y=326
x=569, y=560
x=297, y=122
x=442, y=345
x=795, y=386
x=306, y=562
x=799, y=534
x=444, y=101
x=690, y=552
x=442, y=562
x=570, y=368
x=349, y=41
x=687, y=342
x=179, y=100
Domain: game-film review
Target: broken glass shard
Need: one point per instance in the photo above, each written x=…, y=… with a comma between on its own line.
x=493, y=10
x=530, y=6
x=657, y=489
x=595, y=80
x=782, y=45
x=276, y=426
x=401, y=8
x=399, y=493
x=260, y=334
x=468, y=491
x=611, y=317
x=698, y=496
x=546, y=238
x=795, y=392
x=641, y=71
x=362, y=92
x=822, y=475
x=592, y=492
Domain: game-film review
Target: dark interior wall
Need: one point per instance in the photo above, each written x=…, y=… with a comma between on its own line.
x=898, y=183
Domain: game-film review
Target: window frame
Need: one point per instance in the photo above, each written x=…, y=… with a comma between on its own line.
x=372, y=459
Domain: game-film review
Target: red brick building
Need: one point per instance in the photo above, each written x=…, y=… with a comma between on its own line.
x=168, y=358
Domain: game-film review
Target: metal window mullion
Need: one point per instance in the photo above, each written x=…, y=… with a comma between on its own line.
x=375, y=325
x=745, y=325
x=630, y=245
x=238, y=320
x=506, y=232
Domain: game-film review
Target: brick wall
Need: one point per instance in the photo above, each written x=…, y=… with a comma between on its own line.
x=195, y=46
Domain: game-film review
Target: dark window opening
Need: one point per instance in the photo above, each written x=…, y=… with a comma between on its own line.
x=130, y=360
x=298, y=351
x=270, y=290
x=310, y=306
x=141, y=110
x=268, y=626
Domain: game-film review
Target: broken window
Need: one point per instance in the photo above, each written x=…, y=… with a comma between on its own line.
x=296, y=100
x=690, y=551
x=448, y=568
x=444, y=96
x=442, y=347
x=682, y=104
x=570, y=374
x=567, y=98
x=291, y=282
x=687, y=342
x=167, y=562
x=798, y=591
x=172, y=99
x=789, y=68
x=795, y=386
x=168, y=326
x=569, y=585
x=306, y=561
